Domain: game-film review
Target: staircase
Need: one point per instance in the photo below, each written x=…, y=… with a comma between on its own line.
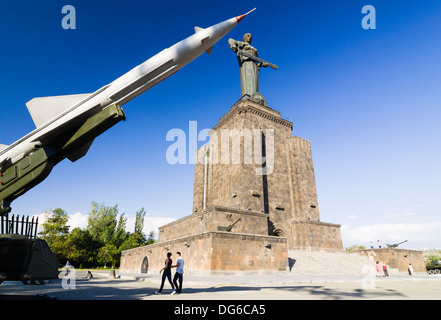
x=328, y=263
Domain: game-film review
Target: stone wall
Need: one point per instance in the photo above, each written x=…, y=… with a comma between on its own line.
x=210, y=219
x=304, y=194
x=397, y=258
x=232, y=180
x=287, y=194
x=275, y=200
x=249, y=253
x=315, y=235
x=212, y=253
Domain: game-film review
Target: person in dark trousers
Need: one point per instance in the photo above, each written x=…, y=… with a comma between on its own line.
x=410, y=269
x=166, y=274
x=179, y=272
x=386, y=273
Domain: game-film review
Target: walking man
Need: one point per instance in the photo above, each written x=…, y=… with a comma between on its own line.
x=386, y=273
x=179, y=272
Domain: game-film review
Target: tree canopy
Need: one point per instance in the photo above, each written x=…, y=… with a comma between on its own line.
x=100, y=243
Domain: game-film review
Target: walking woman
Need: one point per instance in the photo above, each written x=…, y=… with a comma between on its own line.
x=378, y=268
x=167, y=274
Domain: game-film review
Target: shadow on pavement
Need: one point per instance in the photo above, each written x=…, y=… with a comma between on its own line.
x=117, y=289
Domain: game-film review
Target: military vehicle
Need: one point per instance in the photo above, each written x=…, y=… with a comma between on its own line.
x=434, y=267
x=395, y=244
x=23, y=257
x=229, y=228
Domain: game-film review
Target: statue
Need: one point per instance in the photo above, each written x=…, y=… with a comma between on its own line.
x=249, y=65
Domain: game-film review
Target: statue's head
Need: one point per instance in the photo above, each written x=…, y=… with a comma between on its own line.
x=247, y=38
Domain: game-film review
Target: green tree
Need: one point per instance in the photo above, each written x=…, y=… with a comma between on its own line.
x=101, y=242
x=81, y=249
x=109, y=254
x=139, y=220
x=55, y=224
x=108, y=230
x=55, y=231
x=103, y=225
x=120, y=234
x=134, y=240
x=433, y=260
x=355, y=247
x=151, y=239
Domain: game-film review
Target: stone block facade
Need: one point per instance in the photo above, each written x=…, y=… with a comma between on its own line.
x=228, y=173
x=257, y=178
x=397, y=258
x=209, y=220
x=212, y=253
x=314, y=235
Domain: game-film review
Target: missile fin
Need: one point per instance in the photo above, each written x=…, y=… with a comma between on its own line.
x=209, y=50
x=198, y=29
x=205, y=39
x=79, y=153
x=45, y=109
x=3, y=146
x=2, y=163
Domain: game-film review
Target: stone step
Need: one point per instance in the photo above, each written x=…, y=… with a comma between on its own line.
x=329, y=263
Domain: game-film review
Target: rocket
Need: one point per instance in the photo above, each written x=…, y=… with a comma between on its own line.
x=66, y=126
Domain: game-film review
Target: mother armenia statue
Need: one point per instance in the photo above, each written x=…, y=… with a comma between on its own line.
x=249, y=65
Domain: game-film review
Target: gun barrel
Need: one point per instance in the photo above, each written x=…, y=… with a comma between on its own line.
x=271, y=65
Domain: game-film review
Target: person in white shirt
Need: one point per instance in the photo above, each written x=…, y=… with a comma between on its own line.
x=179, y=272
x=410, y=269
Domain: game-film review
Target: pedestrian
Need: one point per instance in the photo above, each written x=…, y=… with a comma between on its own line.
x=179, y=275
x=410, y=269
x=379, y=244
x=166, y=274
x=378, y=268
x=372, y=245
x=386, y=273
x=67, y=268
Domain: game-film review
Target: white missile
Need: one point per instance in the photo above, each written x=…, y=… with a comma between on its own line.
x=67, y=125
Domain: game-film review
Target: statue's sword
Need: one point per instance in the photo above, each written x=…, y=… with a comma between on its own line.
x=257, y=59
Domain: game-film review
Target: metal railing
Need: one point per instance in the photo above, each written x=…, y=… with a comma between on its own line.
x=14, y=225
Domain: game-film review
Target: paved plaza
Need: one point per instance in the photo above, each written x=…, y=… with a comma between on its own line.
x=283, y=286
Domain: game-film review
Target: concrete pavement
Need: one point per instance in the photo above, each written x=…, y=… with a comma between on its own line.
x=284, y=286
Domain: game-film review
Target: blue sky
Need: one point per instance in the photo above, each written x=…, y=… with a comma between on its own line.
x=368, y=100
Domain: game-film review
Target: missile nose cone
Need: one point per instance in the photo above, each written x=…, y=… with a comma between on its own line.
x=239, y=18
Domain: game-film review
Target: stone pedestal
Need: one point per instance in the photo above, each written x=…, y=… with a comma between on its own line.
x=212, y=253
x=255, y=181
x=229, y=173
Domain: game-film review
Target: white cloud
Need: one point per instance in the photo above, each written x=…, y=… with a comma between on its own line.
x=392, y=216
x=418, y=235
x=152, y=223
x=78, y=220
x=352, y=216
